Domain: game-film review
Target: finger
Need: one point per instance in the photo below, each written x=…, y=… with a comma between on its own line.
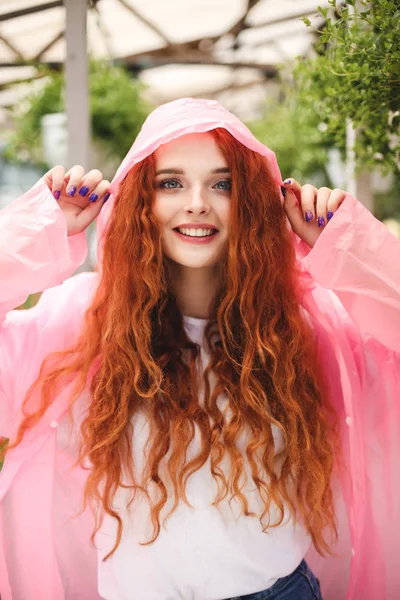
x=100, y=191
x=305, y=197
x=308, y=197
x=293, y=186
x=90, y=181
x=323, y=195
x=56, y=180
x=88, y=214
x=292, y=209
x=291, y=191
x=73, y=179
x=335, y=200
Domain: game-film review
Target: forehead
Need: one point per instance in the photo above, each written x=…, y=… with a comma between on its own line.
x=193, y=146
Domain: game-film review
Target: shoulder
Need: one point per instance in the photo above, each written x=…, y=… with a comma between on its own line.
x=28, y=336
x=51, y=325
x=61, y=305
x=334, y=329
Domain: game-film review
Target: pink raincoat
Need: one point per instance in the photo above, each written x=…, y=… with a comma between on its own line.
x=354, y=305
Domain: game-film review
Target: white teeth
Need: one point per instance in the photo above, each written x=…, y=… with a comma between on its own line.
x=196, y=232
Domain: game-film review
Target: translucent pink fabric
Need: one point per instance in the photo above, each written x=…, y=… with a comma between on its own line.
x=353, y=302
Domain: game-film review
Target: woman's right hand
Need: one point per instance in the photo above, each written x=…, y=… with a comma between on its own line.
x=79, y=196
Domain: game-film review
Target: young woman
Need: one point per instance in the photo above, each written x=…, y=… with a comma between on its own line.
x=214, y=413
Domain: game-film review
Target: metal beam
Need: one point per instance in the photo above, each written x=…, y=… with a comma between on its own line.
x=226, y=88
x=268, y=69
x=57, y=66
x=7, y=85
x=145, y=21
x=77, y=93
x=241, y=23
x=29, y=11
x=285, y=19
x=49, y=45
x=17, y=53
x=132, y=63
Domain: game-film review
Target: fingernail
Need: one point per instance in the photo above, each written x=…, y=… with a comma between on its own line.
x=330, y=215
x=309, y=216
x=321, y=221
x=71, y=191
x=106, y=197
x=287, y=181
x=84, y=190
x=57, y=194
x=93, y=197
x=283, y=191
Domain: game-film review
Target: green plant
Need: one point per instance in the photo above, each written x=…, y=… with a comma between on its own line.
x=117, y=111
x=356, y=76
x=293, y=131
x=387, y=204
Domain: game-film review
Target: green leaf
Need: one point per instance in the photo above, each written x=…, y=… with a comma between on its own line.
x=394, y=68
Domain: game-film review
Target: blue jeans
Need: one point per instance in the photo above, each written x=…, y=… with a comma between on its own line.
x=299, y=585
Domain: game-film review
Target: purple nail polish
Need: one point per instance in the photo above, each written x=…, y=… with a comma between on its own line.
x=83, y=191
x=106, y=197
x=57, y=194
x=288, y=181
x=330, y=215
x=309, y=216
x=283, y=192
x=93, y=197
x=71, y=191
x=321, y=221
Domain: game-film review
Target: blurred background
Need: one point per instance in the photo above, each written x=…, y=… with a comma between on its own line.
x=318, y=82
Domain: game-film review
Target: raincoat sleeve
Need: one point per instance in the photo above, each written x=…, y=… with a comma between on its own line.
x=358, y=258
x=35, y=254
x=356, y=309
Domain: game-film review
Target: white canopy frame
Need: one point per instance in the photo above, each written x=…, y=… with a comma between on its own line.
x=241, y=42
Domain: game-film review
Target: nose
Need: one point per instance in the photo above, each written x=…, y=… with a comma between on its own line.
x=197, y=202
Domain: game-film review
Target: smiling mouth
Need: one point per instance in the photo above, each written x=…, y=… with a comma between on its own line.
x=213, y=232
x=197, y=239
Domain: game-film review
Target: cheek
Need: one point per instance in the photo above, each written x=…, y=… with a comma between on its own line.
x=224, y=216
x=161, y=210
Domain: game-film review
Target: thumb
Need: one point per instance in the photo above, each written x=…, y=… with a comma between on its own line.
x=88, y=214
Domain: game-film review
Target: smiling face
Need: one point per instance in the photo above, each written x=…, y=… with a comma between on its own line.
x=192, y=186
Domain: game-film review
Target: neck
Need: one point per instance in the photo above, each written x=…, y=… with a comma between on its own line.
x=194, y=289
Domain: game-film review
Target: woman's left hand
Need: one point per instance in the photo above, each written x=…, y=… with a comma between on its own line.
x=309, y=209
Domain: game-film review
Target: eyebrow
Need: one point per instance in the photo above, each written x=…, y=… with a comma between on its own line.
x=181, y=172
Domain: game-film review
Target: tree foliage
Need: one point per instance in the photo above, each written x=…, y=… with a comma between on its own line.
x=294, y=132
x=356, y=75
x=116, y=103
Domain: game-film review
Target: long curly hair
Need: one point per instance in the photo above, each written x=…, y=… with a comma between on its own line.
x=134, y=355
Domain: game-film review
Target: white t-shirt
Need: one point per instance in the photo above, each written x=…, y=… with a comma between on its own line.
x=204, y=553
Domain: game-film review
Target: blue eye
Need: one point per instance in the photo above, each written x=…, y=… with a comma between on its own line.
x=169, y=184
x=225, y=185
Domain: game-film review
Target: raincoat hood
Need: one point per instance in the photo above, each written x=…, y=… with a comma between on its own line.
x=172, y=120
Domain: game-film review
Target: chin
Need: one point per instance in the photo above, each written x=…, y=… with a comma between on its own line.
x=193, y=262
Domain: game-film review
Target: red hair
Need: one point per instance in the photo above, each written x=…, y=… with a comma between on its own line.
x=266, y=363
